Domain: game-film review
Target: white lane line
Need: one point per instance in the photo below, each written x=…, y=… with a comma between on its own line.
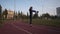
x=21, y=29
x=30, y=32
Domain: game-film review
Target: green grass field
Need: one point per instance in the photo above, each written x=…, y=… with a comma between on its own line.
x=52, y=22
x=1, y=23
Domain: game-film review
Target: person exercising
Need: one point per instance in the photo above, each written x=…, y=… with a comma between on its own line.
x=31, y=12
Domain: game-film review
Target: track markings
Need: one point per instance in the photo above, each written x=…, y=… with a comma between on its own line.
x=21, y=29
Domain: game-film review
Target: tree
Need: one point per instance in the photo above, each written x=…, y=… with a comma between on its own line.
x=0, y=11
x=19, y=14
x=15, y=15
x=36, y=15
x=5, y=13
x=22, y=15
x=27, y=15
x=0, y=14
x=54, y=17
x=45, y=16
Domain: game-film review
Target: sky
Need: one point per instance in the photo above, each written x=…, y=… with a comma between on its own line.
x=43, y=6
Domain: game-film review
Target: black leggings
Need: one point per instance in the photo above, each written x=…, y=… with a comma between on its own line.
x=30, y=19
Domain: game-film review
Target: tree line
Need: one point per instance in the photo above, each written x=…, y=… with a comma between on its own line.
x=21, y=15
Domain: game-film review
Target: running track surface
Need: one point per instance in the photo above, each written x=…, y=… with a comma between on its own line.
x=19, y=27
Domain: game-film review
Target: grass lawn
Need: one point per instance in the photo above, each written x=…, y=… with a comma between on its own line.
x=1, y=23
x=52, y=22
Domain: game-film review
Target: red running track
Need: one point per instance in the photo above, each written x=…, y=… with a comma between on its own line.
x=19, y=27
